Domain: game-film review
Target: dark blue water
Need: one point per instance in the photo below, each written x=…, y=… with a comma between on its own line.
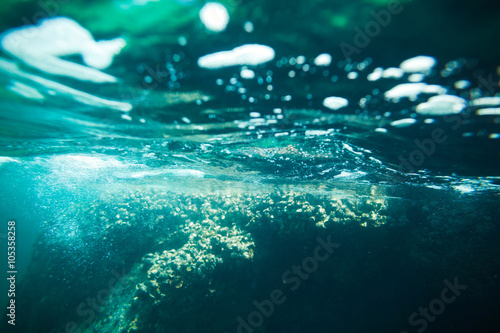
x=209, y=195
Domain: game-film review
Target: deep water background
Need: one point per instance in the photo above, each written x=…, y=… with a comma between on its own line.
x=62, y=156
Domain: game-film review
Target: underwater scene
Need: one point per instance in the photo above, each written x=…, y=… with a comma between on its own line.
x=250, y=166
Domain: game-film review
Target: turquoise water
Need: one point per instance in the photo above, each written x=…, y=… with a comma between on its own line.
x=335, y=169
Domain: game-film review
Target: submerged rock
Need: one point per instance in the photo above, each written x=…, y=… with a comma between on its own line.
x=176, y=247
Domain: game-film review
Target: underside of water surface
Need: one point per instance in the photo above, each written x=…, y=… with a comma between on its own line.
x=250, y=166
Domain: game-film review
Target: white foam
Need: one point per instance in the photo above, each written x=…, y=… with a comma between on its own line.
x=403, y=122
x=214, y=16
x=376, y=74
x=52, y=88
x=350, y=175
x=186, y=173
x=248, y=26
x=412, y=90
x=389, y=73
x=335, y=103
x=442, y=105
x=352, y=75
x=41, y=46
x=448, y=99
x=247, y=74
x=5, y=159
x=77, y=161
x=349, y=148
x=393, y=73
x=434, y=89
x=462, y=84
x=318, y=132
x=25, y=91
x=488, y=112
x=420, y=64
x=324, y=59
x=416, y=77
x=464, y=188
x=248, y=54
x=486, y=101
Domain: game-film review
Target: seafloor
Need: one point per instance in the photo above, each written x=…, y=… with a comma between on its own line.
x=286, y=259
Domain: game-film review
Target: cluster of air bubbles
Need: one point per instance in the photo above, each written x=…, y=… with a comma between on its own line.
x=257, y=120
x=164, y=75
x=202, y=100
x=412, y=100
x=296, y=65
x=250, y=76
